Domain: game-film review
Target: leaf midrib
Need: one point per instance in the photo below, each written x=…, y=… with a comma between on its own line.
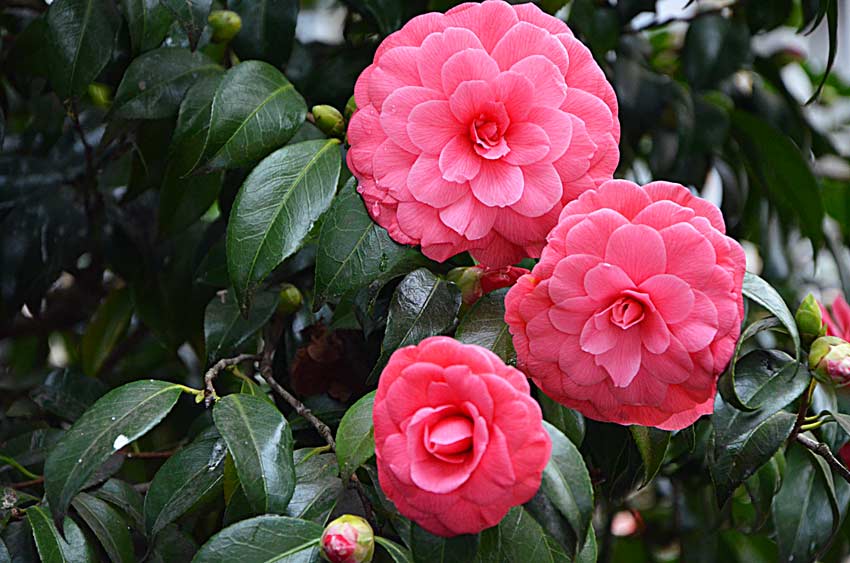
x=342, y=264
x=84, y=28
x=245, y=421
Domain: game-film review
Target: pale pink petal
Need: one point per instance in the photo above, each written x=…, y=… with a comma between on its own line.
x=689, y=256
x=700, y=327
x=522, y=230
x=366, y=135
x=438, y=48
x=679, y=194
x=516, y=92
x=575, y=162
x=570, y=315
x=498, y=184
x=496, y=251
x=489, y=21
x=532, y=14
x=637, y=249
x=550, y=89
x=428, y=186
x=396, y=112
x=468, y=217
x=361, y=87
x=671, y=296
x=597, y=338
x=469, y=101
x=392, y=165
x=560, y=128
x=542, y=190
x=567, y=280
x=591, y=235
x=622, y=362
x=605, y=282
x=625, y=197
x=662, y=214
x=591, y=110
x=458, y=161
x=525, y=39
x=654, y=333
x=472, y=64
x=431, y=125
x=528, y=144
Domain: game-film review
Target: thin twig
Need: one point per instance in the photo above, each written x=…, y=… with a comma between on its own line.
x=271, y=338
x=218, y=367
x=823, y=450
x=148, y=455
x=26, y=484
x=75, y=119
x=805, y=400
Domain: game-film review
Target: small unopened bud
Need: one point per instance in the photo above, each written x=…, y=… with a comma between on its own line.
x=493, y=279
x=329, y=121
x=350, y=108
x=829, y=360
x=810, y=319
x=100, y=94
x=290, y=300
x=348, y=539
x=225, y=25
x=469, y=282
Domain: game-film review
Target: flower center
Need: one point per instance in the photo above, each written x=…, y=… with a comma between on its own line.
x=450, y=438
x=626, y=312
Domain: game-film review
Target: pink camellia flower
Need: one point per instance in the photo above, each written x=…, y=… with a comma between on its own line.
x=837, y=323
x=458, y=438
x=634, y=307
x=475, y=127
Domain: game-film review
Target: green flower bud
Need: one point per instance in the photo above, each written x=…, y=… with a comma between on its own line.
x=100, y=94
x=829, y=360
x=225, y=25
x=329, y=120
x=350, y=108
x=809, y=319
x=348, y=539
x=290, y=300
x=469, y=282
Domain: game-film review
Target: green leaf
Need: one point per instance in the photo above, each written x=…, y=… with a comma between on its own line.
x=4, y=553
x=317, y=486
x=193, y=123
x=147, y=21
x=519, y=537
x=589, y=552
x=423, y=305
x=388, y=14
x=761, y=292
x=123, y=496
x=428, y=548
x=225, y=329
x=566, y=483
x=192, y=16
x=268, y=29
x=155, y=83
x=652, y=444
x=395, y=551
x=766, y=379
x=52, y=548
x=355, y=438
x=67, y=393
x=185, y=200
x=832, y=25
x=568, y=421
x=115, y=420
x=276, y=208
x=485, y=326
x=81, y=34
x=108, y=525
x=803, y=524
x=742, y=442
x=715, y=47
x=183, y=480
x=255, y=111
x=260, y=441
x=763, y=485
x=172, y=545
x=776, y=165
x=105, y=329
x=354, y=251
x=264, y=539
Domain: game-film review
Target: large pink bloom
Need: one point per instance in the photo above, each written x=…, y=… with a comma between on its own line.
x=475, y=127
x=634, y=307
x=458, y=438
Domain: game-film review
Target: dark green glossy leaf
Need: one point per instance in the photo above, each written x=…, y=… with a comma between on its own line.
x=183, y=480
x=428, y=548
x=276, y=208
x=761, y=292
x=803, y=523
x=255, y=111
x=260, y=441
x=715, y=47
x=743, y=442
x=388, y=14
x=268, y=29
x=566, y=483
x=106, y=328
x=172, y=546
x=395, y=551
x=423, y=305
x=354, y=251
x=52, y=547
x=832, y=27
x=115, y=420
x=519, y=537
x=264, y=539
x=4, y=553
x=317, y=486
x=123, y=496
x=768, y=379
x=108, y=525
x=185, y=200
x=568, y=421
x=355, y=438
x=155, y=83
x=777, y=167
x=485, y=326
x=193, y=123
x=147, y=21
x=763, y=485
x=225, y=329
x=652, y=444
x=81, y=35
x=68, y=393
x=192, y=16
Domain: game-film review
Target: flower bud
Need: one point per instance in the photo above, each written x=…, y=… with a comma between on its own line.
x=100, y=94
x=350, y=108
x=829, y=360
x=494, y=279
x=290, y=300
x=329, y=120
x=809, y=319
x=469, y=282
x=348, y=539
x=225, y=25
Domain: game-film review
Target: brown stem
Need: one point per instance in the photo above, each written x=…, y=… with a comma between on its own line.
x=212, y=373
x=26, y=484
x=148, y=455
x=805, y=400
x=823, y=450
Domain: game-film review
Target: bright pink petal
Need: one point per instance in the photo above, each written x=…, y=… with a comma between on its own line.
x=469, y=99
x=516, y=92
x=428, y=186
x=700, y=327
x=396, y=113
x=489, y=21
x=498, y=184
x=532, y=14
x=467, y=65
x=550, y=89
x=671, y=296
x=542, y=190
x=622, y=362
x=638, y=250
x=431, y=125
x=524, y=40
x=469, y=218
x=458, y=161
x=438, y=48
x=528, y=144
x=605, y=282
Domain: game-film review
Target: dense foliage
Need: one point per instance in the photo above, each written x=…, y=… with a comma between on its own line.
x=195, y=305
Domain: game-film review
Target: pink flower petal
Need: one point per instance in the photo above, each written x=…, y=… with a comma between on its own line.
x=550, y=89
x=605, y=281
x=498, y=184
x=532, y=14
x=468, y=217
x=671, y=296
x=458, y=161
x=516, y=92
x=431, y=126
x=637, y=249
x=396, y=113
x=528, y=144
x=622, y=362
x=525, y=39
x=489, y=21
x=467, y=65
x=469, y=100
x=542, y=190
x=428, y=186
x=438, y=48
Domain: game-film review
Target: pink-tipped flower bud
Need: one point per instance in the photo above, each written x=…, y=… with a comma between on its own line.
x=829, y=360
x=476, y=281
x=348, y=539
x=809, y=319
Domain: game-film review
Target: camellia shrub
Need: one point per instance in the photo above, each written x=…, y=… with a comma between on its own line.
x=459, y=282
